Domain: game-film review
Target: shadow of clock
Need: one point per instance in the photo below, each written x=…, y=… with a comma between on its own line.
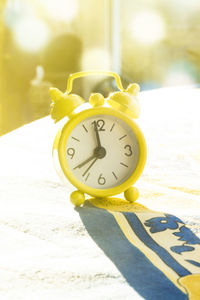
x=137, y=270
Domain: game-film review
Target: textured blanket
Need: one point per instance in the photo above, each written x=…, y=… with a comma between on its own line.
x=105, y=250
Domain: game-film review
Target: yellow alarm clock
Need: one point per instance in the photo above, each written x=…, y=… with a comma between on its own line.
x=100, y=149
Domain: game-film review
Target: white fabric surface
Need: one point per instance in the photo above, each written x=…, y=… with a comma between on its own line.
x=46, y=252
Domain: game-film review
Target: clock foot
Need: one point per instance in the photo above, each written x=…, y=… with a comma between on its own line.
x=77, y=198
x=132, y=194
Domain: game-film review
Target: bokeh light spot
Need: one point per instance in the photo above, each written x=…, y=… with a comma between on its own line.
x=181, y=73
x=30, y=34
x=147, y=27
x=96, y=58
x=178, y=78
x=60, y=10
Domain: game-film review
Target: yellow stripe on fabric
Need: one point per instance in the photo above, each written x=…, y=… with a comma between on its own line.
x=191, y=283
x=118, y=204
x=155, y=259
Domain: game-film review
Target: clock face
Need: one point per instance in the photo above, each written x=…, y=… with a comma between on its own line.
x=102, y=151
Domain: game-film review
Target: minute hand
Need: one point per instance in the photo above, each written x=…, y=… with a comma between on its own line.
x=86, y=161
x=90, y=166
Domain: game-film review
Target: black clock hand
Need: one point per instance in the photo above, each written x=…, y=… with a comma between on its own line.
x=89, y=166
x=86, y=161
x=97, y=134
x=98, y=153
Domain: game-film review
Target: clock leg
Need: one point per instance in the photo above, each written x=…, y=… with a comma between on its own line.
x=77, y=198
x=132, y=194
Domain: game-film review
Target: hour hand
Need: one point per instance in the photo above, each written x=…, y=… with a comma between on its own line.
x=97, y=134
x=85, y=161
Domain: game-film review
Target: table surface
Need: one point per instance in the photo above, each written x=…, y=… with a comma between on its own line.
x=47, y=251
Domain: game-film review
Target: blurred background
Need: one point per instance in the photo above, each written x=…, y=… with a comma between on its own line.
x=154, y=43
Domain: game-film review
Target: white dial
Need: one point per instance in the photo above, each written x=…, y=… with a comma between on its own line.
x=102, y=151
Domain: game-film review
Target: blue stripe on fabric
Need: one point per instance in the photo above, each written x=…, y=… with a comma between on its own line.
x=141, y=233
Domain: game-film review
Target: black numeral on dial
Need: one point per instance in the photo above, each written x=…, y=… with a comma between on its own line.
x=101, y=180
x=128, y=149
x=100, y=124
x=71, y=152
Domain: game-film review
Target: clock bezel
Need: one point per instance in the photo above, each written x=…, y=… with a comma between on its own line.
x=72, y=123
